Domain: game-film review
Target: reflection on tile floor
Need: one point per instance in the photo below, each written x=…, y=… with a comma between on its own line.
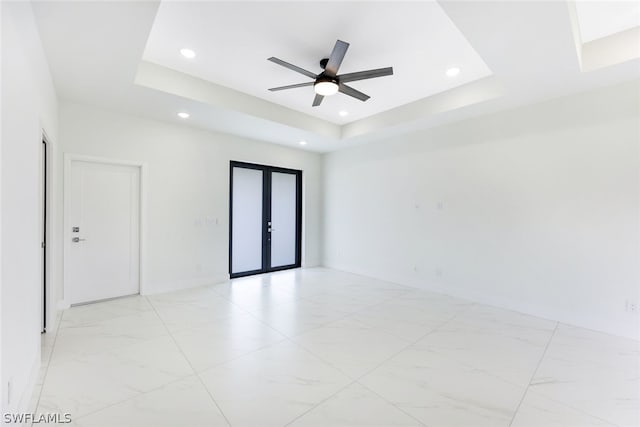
x=317, y=347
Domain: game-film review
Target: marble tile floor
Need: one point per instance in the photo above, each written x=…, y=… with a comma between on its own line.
x=317, y=347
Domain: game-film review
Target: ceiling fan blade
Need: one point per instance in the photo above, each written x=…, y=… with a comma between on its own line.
x=273, y=89
x=363, y=75
x=317, y=100
x=337, y=55
x=292, y=67
x=348, y=90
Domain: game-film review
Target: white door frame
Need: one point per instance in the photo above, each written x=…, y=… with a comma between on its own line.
x=68, y=159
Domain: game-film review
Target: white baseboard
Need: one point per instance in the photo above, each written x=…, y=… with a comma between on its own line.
x=574, y=318
x=177, y=285
x=24, y=401
x=162, y=287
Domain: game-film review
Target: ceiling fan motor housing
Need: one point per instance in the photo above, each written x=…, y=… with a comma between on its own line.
x=324, y=78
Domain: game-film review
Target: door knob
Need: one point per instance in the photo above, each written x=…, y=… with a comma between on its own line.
x=77, y=239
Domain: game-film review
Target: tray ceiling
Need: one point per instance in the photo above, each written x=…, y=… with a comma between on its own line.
x=232, y=41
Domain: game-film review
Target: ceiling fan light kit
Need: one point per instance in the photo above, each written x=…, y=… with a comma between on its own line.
x=326, y=86
x=328, y=82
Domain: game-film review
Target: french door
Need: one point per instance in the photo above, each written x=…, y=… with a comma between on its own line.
x=265, y=211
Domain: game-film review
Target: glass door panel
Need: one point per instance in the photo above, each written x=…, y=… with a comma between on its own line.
x=247, y=220
x=283, y=219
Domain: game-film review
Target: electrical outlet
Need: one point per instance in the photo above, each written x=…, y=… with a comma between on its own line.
x=631, y=307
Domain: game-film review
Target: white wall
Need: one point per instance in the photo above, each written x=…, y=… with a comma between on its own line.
x=187, y=187
x=29, y=106
x=535, y=209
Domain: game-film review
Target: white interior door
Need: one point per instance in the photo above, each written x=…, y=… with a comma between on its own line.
x=102, y=232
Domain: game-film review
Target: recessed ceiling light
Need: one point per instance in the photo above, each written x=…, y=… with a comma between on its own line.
x=188, y=53
x=183, y=115
x=452, y=72
x=303, y=142
x=343, y=113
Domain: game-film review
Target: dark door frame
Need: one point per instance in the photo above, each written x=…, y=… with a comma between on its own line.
x=43, y=244
x=266, y=217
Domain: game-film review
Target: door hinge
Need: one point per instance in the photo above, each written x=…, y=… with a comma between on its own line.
x=43, y=245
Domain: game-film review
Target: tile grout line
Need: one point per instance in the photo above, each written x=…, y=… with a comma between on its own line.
x=286, y=338
x=436, y=328
x=483, y=370
x=565, y=405
x=356, y=380
x=471, y=306
x=190, y=365
x=323, y=400
x=134, y=312
x=528, y=391
x=342, y=317
x=283, y=338
x=257, y=319
x=310, y=298
x=139, y=393
x=46, y=370
x=117, y=346
x=580, y=411
x=169, y=333
x=533, y=375
x=290, y=340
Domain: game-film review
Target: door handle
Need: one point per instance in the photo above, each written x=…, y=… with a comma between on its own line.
x=77, y=240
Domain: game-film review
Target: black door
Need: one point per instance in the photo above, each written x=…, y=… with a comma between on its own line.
x=265, y=211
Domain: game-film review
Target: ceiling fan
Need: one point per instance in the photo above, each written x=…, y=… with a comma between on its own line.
x=328, y=82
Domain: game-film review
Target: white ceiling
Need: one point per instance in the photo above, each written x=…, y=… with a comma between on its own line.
x=233, y=40
x=97, y=53
x=598, y=19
